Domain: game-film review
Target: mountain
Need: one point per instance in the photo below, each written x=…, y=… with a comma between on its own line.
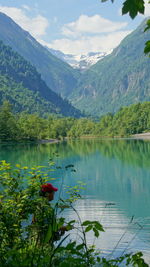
x=22, y=85
x=119, y=79
x=58, y=75
x=81, y=62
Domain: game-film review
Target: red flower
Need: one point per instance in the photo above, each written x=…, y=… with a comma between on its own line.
x=48, y=188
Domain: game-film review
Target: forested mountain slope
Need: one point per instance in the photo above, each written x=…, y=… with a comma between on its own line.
x=58, y=75
x=22, y=85
x=120, y=79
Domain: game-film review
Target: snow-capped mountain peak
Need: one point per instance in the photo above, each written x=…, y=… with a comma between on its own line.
x=83, y=61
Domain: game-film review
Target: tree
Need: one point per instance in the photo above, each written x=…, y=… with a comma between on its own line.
x=8, y=125
x=32, y=126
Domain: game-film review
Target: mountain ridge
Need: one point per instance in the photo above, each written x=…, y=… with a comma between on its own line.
x=58, y=75
x=119, y=79
x=82, y=61
x=22, y=85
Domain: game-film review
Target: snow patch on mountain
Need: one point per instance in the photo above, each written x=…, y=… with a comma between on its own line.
x=82, y=62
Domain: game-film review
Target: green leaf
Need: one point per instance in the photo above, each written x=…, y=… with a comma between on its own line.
x=96, y=233
x=48, y=234
x=99, y=227
x=147, y=47
x=60, y=222
x=133, y=7
x=71, y=246
x=79, y=247
x=73, y=221
x=88, y=228
x=148, y=25
x=85, y=223
x=98, y=259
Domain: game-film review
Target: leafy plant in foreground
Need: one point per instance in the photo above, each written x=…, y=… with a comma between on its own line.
x=24, y=243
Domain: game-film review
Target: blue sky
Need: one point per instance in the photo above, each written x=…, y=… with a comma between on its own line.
x=73, y=26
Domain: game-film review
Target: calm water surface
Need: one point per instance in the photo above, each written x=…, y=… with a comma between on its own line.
x=117, y=190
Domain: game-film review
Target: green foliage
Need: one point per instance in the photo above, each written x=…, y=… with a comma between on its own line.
x=22, y=85
x=133, y=7
x=57, y=74
x=8, y=124
x=126, y=260
x=127, y=121
x=27, y=242
x=81, y=127
x=147, y=25
x=93, y=225
x=24, y=243
x=147, y=47
x=31, y=126
x=119, y=79
x=126, y=71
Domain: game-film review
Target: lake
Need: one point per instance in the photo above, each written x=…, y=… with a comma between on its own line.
x=116, y=174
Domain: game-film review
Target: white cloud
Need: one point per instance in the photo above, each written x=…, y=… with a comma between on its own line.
x=87, y=44
x=92, y=25
x=36, y=25
x=26, y=7
x=89, y=34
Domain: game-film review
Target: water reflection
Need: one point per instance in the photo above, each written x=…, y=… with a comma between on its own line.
x=122, y=235
x=115, y=171
x=131, y=151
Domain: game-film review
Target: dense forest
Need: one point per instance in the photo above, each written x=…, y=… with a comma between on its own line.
x=21, y=84
x=119, y=79
x=23, y=126
x=58, y=75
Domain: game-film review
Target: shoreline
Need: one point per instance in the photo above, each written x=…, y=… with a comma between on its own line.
x=43, y=141
x=145, y=136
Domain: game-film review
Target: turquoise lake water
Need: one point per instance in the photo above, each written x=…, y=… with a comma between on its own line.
x=116, y=174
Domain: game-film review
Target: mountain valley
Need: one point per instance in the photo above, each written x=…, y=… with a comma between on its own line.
x=118, y=79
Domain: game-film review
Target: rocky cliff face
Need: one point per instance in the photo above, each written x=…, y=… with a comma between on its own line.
x=119, y=79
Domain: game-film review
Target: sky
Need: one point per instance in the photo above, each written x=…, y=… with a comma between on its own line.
x=73, y=26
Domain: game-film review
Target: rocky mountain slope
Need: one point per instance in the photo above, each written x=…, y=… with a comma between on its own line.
x=120, y=79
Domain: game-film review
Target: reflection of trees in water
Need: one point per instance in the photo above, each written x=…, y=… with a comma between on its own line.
x=106, y=166
x=133, y=152
x=34, y=154
x=84, y=147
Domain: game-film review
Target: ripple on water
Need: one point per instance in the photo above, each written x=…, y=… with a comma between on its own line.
x=122, y=234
